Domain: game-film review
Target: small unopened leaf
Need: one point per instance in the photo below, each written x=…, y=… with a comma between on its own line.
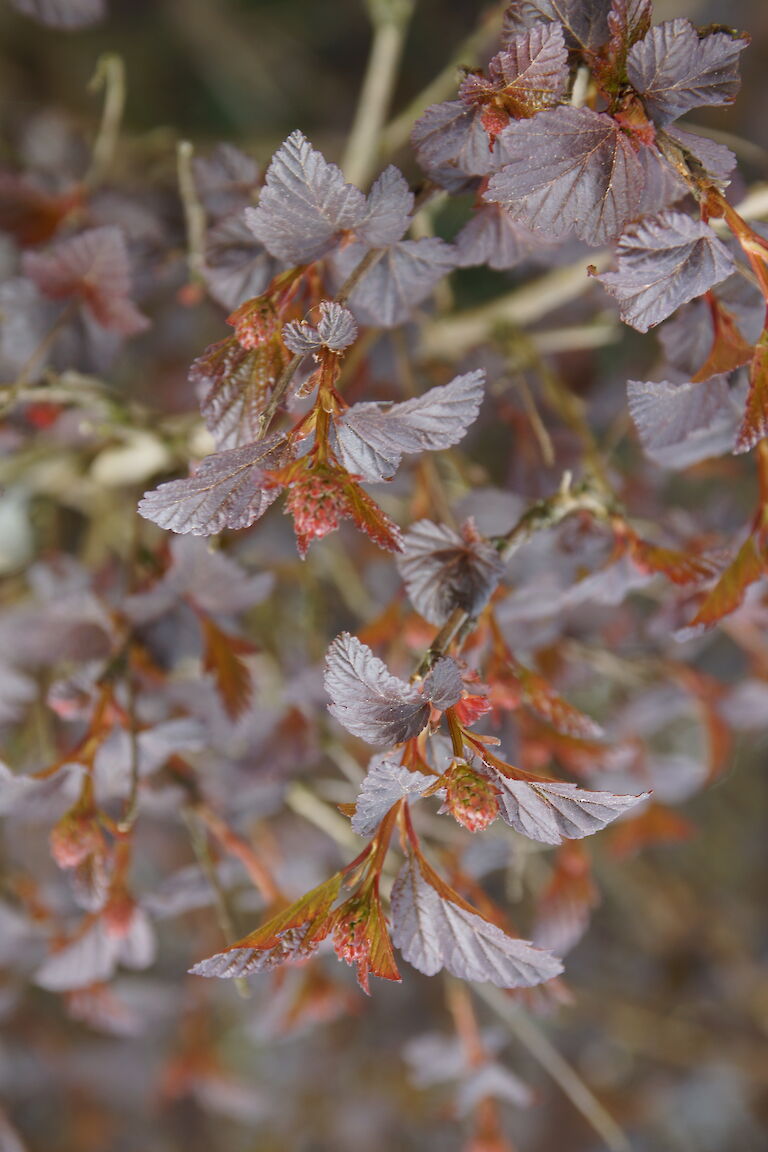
x=444, y=570
x=335, y=330
x=568, y=169
x=552, y=811
x=675, y=68
x=367, y=699
x=386, y=782
x=714, y=160
x=663, y=262
x=305, y=207
x=435, y=930
x=226, y=491
x=92, y=268
x=371, y=439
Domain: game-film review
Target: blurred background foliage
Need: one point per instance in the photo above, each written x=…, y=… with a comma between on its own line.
x=668, y=1022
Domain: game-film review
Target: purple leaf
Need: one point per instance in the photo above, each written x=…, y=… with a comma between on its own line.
x=62, y=13
x=226, y=180
x=443, y=570
x=551, y=812
x=305, y=206
x=233, y=384
x=682, y=424
x=371, y=440
x=366, y=699
x=213, y=580
x=402, y=278
x=335, y=330
x=452, y=145
x=434, y=934
x=585, y=23
x=568, y=169
x=663, y=262
x=388, y=210
x=236, y=267
x=386, y=782
x=93, y=268
x=715, y=160
x=226, y=491
x=495, y=238
x=675, y=69
x=443, y=686
x=529, y=74
x=92, y=957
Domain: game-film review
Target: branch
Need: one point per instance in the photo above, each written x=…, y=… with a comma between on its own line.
x=542, y=1049
x=452, y=336
x=390, y=20
x=109, y=75
x=477, y=44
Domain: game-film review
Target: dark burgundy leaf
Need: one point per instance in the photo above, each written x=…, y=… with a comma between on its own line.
x=443, y=685
x=233, y=384
x=674, y=69
x=226, y=180
x=387, y=211
x=551, y=811
x=495, y=238
x=452, y=145
x=586, y=21
x=568, y=169
x=530, y=74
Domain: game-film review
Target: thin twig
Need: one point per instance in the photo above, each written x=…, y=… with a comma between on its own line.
x=109, y=75
x=542, y=1049
x=194, y=213
x=390, y=19
x=450, y=337
x=199, y=839
x=545, y=514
